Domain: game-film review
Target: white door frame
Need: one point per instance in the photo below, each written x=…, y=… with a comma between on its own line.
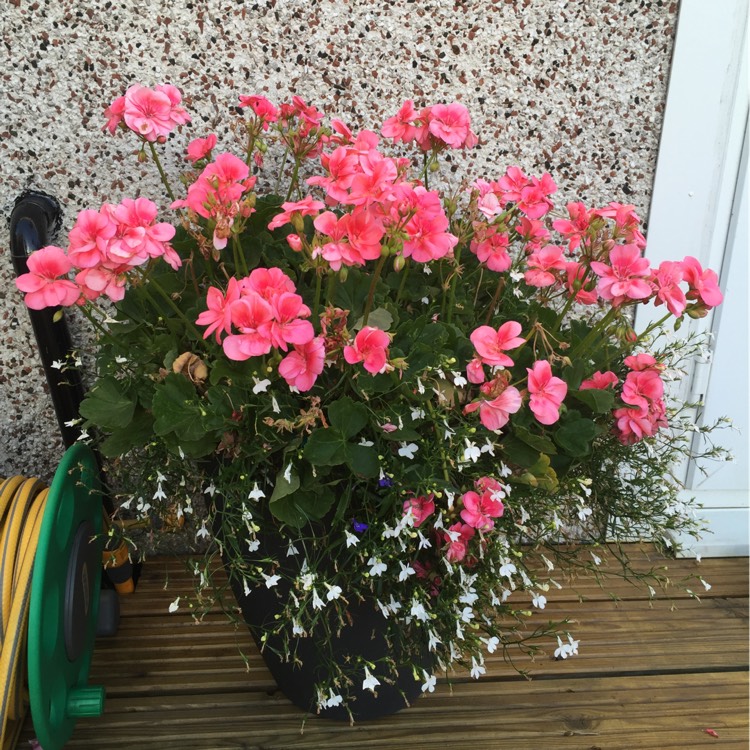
x=696, y=189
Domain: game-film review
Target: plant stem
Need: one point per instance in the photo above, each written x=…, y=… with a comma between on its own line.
x=162, y=174
x=495, y=298
x=281, y=171
x=441, y=448
x=657, y=324
x=240, y=264
x=295, y=177
x=404, y=277
x=594, y=332
x=331, y=286
x=318, y=284
x=373, y=284
x=181, y=315
x=454, y=281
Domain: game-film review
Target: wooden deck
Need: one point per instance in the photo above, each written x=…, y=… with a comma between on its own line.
x=649, y=675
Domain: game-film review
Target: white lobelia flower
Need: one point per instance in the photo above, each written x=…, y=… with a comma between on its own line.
x=406, y=571
x=433, y=640
x=297, y=629
x=275, y=405
x=538, y=600
x=477, y=670
x=418, y=611
x=467, y=614
x=459, y=380
x=370, y=682
x=507, y=569
x=271, y=581
x=333, y=700
x=202, y=532
x=317, y=602
x=492, y=644
x=253, y=545
x=429, y=682
x=291, y=550
x=334, y=592
x=256, y=493
x=352, y=540
x=471, y=452
x=408, y=451
x=261, y=386
x=175, y=605
x=377, y=566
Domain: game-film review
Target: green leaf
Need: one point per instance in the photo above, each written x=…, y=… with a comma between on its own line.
x=520, y=453
x=137, y=432
x=326, y=447
x=284, y=486
x=573, y=374
x=348, y=416
x=107, y=406
x=379, y=318
x=541, y=443
x=299, y=508
x=576, y=435
x=598, y=400
x=363, y=459
x=178, y=409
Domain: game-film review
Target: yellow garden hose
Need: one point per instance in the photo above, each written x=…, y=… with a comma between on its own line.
x=22, y=504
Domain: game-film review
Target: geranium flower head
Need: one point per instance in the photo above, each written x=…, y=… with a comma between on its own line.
x=492, y=344
x=547, y=392
x=46, y=283
x=371, y=348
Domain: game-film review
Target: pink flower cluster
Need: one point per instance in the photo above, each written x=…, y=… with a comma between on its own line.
x=267, y=314
x=432, y=128
x=217, y=195
x=152, y=113
x=103, y=246
x=371, y=348
x=642, y=392
x=482, y=507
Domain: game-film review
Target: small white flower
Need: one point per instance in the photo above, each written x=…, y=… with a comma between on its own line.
x=408, y=451
x=459, y=380
x=406, y=571
x=706, y=584
x=420, y=386
x=57, y=364
x=507, y=569
x=253, y=545
x=288, y=473
x=477, y=670
x=429, y=682
x=160, y=494
x=352, y=540
x=492, y=644
x=418, y=611
x=291, y=549
x=317, y=602
x=203, y=532
x=275, y=405
x=366, y=443
x=83, y=436
x=538, y=600
x=424, y=542
x=370, y=682
x=425, y=300
x=256, y=493
x=377, y=566
x=334, y=592
x=417, y=414
x=467, y=614
x=297, y=629
x=246, y=587
x=394, y=606
x=73, y=422
x=333, y=700
x=120, y=359
x=175, y=605
x=271, y=581
x=488, y=447
x=261, y=386
x=426, y=270
x=583, y=512
x=471, y=452
x=597, y=560
x=433, y=640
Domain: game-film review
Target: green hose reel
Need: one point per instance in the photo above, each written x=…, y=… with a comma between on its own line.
x=65, y=601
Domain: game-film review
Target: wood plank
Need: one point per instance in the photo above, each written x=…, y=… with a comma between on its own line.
x=650, y=674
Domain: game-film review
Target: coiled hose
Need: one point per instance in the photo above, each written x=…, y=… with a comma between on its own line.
x=22, y=504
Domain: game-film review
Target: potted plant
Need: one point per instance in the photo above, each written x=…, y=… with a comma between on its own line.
x=393, y=397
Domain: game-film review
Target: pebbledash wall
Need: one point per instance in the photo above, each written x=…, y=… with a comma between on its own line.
x=575, y=87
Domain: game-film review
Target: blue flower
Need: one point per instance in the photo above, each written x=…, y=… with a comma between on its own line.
x=358, y=526
x=385, y=482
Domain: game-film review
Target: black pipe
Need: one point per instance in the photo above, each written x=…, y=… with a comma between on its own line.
x=35, y=219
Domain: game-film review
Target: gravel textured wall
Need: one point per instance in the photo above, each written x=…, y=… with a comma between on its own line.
x=576, y=88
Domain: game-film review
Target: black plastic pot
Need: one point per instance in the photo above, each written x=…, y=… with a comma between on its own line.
x=364, y=637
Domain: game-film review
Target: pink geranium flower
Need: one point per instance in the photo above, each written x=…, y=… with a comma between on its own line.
x=98, y=281
x=269, y=283
x=301, y=367
x=480, y=510
x=575, y=228
x=152, y=113
x=451, y=124
x=579, y=282
x=139, y=236
x=291, y=209
x=704, y=285
x=533, y=201
x=542, y=263
x=288, y=326
x=546, y=392
x=494, y=413
x=371, y=348
x=626, y=277
x=45, y=284
x=491, y=247
x=456, y=540
x=218, y=317
x=475, y=371
x=491, y=344
x=262, y=108
x=89, y=238
x=421, y=508
x=401, y=126
x=600, y=381
x=200, y=148
x=252, y=316
x=666, y=282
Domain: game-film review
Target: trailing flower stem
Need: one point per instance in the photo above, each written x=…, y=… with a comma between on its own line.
x=162, y=173
x=373, y=284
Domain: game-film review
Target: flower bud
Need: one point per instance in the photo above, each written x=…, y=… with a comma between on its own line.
x=343, y=274
x=398, y=263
